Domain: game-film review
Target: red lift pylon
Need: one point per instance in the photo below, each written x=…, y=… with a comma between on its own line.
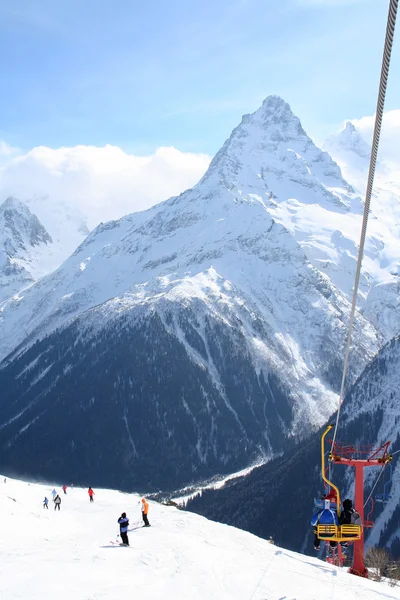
x=359, y=457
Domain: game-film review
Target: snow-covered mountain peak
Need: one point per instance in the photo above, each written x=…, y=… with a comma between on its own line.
x=12, y=203
x=348, y=140
x=20, y=227
x=381, y=263
x=270, y=152
x=276, y=117
x=36, y=236
x=22, y=240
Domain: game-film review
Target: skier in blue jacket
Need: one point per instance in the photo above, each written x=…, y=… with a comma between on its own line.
x=123, y=522
x=324, y=516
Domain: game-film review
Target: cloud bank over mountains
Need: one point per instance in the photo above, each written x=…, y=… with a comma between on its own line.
x=390, y=134
x=103, y=183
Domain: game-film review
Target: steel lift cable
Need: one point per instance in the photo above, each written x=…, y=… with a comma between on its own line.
x=387, y=51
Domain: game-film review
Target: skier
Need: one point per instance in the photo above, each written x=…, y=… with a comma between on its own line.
x=46, y=503
x=325, y=516
x=91, y=494
x=57, y=502
x=145, y=511
x=54, y=493
x=123, y=522
x=348, y=516
x=64, y=487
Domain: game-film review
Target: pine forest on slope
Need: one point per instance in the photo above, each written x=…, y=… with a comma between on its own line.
x=370, y=415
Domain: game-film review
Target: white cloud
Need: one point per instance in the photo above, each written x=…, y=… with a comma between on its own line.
x=390, y=134
x=103, y=183
x=6, y=150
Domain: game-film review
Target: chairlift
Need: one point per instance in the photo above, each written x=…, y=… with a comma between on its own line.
x=385, y=497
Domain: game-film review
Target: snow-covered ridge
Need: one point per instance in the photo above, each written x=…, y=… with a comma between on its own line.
x=380, y=300
x=23, y=242
x=181, y=497
x=267, y=163
x=227, y=243
x=35, y=238
x=182, y=555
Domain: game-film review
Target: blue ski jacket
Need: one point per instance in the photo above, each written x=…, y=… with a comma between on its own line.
x=123, y=524
x=327, y=516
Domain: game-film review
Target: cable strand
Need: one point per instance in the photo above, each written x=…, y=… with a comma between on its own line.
x=387, y=51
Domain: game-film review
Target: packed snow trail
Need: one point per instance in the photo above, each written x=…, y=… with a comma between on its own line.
x=68, y=555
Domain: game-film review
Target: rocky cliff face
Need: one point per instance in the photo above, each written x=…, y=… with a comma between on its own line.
x=22, y=239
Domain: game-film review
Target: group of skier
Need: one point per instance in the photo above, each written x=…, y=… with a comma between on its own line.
x=123, y=522
x=57, y=498
x=327, y=515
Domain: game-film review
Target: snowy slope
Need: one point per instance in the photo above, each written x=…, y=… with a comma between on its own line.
x=24, y=243
x=67, y=555
x=67, y=226
x=382, y=262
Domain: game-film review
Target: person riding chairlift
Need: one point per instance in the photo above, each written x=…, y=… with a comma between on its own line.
x=324, y=516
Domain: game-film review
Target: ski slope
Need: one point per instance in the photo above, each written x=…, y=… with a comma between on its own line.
x=68, y=555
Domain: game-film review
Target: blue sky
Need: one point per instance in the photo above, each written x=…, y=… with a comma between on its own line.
x=145, y=74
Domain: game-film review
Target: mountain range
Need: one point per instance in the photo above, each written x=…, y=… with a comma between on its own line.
x=205, y=332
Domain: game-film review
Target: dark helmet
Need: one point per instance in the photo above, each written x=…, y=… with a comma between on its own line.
x=123, y=515
x=347, y=504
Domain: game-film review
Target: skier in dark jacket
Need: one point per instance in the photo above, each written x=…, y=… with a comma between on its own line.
x=348, y=516
x=57, y=502
x=123, y=522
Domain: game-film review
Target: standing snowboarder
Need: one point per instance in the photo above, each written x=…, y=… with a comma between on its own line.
x=145, y=512
x=64, y=487
x=91, y=494
x=123, y=528
x=54, y=493
x=57, y=502
x=46, y=503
